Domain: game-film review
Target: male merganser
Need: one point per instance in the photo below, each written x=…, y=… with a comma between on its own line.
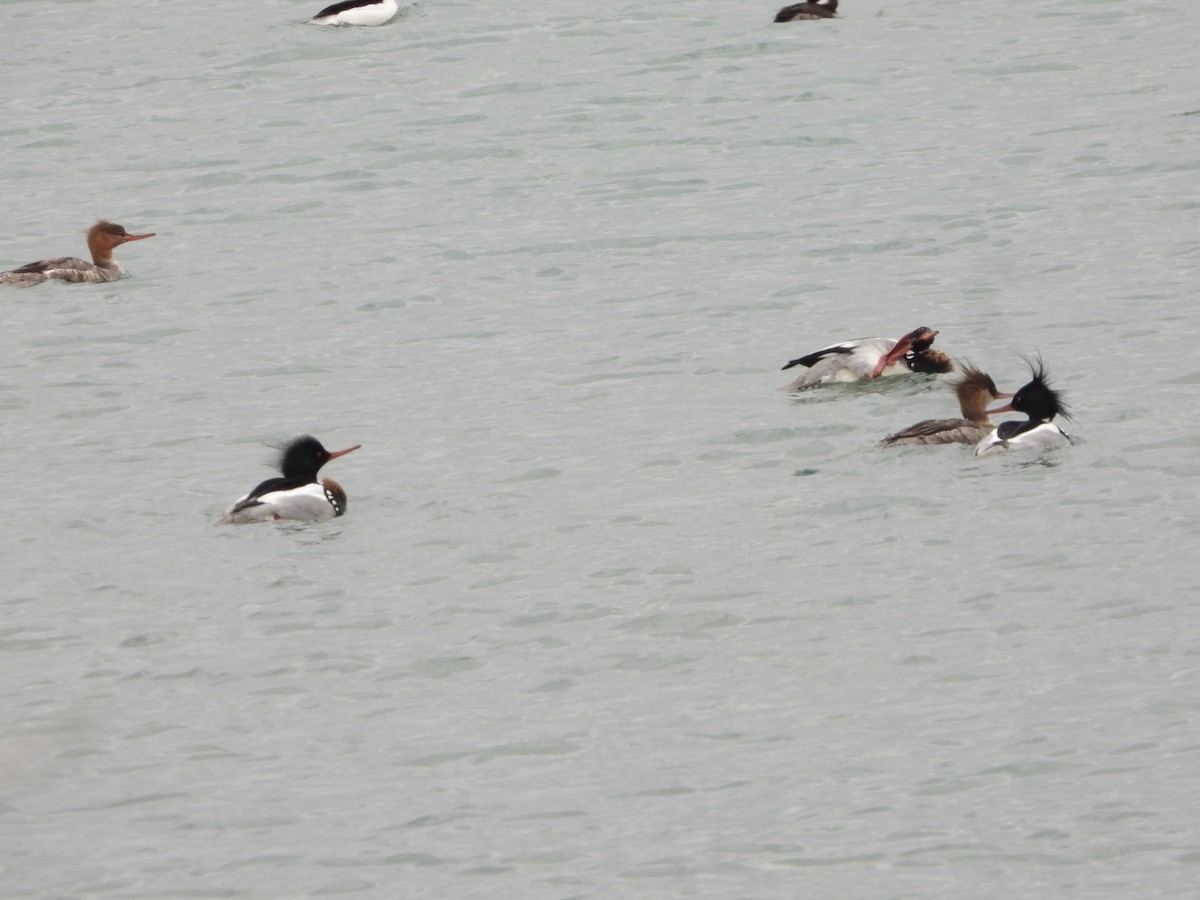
x=101, y=238
x=1041, y=404
x=298, y=494
x=872, y=358
x=821, y=9
x=356, y=12
x=975, y=390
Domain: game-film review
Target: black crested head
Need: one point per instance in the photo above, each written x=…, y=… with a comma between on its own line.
x=303, y=458
x=1038, y=399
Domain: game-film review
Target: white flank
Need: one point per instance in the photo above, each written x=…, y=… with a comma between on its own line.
x=304, y=504
x=1046, y=436
x=370, y=14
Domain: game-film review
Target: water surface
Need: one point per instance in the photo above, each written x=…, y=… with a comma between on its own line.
x=609, y=615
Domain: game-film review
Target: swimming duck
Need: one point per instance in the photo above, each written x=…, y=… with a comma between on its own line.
x=356, y=12
x=871, y=358
x=102, y=238
x=1040, y=403
x=299, y=494
x=821, y=9
x=975, y=390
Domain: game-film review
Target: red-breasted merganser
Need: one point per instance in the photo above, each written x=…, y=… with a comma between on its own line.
x=821, y=9
x=101, y=238
x=975, y=391
x=1041, y=404
x=356, y=12
x=298, y=494
x=872, y=358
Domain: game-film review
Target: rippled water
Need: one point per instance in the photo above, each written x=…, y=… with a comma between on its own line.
x=609, y=615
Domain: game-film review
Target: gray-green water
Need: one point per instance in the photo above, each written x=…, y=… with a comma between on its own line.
x=609, y=615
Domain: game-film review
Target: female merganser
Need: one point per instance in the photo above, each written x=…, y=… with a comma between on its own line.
x=975, y=390
x=822, y=9
x=101, y=238
x=298, y=494
x=1041, y=404
x=356, y=12
x=872, y=358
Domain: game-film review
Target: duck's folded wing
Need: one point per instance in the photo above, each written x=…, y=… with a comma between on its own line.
x=876, y=347
x=304, y=503
x=937, y=431
x=60, y=262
